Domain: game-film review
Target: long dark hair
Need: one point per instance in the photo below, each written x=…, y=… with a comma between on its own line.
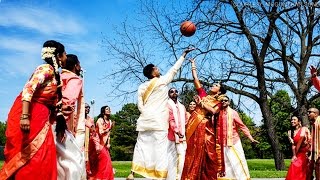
x=72, y=60
x=292, y=127
x=59, y=50
x=102, y=110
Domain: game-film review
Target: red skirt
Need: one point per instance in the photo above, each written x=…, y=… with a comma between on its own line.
x=298, y=168
x=100, y=163
x=43, y=163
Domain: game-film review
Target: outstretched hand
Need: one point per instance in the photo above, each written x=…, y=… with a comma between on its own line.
x=189, y=49
x=192, y=60
x=313, y=71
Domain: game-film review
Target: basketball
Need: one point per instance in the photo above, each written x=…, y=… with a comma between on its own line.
x=187, y=28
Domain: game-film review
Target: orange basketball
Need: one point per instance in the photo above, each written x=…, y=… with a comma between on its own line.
x=187, y=28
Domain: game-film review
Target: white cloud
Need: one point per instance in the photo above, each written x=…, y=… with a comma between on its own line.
x=19, y=45
x=46, y=21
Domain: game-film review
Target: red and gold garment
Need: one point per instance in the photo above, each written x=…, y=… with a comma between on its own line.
x=32, y=155
x=202, y=162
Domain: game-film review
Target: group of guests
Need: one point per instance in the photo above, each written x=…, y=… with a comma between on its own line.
x=51, y=136
x=200, y=144
x=305, y=144
x=49, y=133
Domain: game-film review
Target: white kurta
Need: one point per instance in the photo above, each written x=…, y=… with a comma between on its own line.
x=150, y=157
x=154, y=113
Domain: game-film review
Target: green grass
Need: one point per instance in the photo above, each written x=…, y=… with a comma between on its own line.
x=265, y=168
x=259, y=168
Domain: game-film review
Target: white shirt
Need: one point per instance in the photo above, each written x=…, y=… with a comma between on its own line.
x=154, y=113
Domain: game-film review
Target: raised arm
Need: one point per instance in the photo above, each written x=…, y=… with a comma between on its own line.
x=168, y=77
x=315, y=80
x=196, y=81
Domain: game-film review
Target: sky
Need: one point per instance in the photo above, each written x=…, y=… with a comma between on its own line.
x=26, y=24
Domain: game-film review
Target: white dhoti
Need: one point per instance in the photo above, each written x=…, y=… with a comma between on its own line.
x=176, y=157
x=70, y=159
x=80, y=137
x=150, y=157
x=235, y=162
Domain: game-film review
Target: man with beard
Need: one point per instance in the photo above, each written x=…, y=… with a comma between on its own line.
x=176, y=135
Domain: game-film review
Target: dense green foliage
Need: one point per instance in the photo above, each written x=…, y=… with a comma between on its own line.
x=123, y=135
x=281, y=110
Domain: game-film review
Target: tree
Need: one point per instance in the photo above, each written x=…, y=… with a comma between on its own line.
x=262, y=46
x=124, y=135
x=3, y=126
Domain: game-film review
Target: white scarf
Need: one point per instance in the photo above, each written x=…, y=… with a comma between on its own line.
x=180, y=119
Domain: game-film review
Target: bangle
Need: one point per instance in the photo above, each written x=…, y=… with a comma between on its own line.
x=24, y=116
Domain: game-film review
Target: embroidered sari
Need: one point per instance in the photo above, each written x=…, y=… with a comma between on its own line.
x=32, y=155
x=201, y=161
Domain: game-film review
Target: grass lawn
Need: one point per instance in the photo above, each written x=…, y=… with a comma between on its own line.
x=259, y=168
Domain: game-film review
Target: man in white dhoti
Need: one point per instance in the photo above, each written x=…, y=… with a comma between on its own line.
x=235, y=161
x=176, y=135
x=150, y=157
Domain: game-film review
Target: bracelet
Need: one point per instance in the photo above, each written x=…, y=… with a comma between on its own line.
x=24, y=116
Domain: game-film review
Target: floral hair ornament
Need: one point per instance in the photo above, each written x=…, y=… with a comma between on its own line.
x=47, y=52
x=55, y=64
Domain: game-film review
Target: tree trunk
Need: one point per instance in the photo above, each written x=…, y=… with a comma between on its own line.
x=275, y=145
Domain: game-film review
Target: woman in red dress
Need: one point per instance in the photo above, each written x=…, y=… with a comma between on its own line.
x=300, y=147
x=99, y=145
x=30, y=151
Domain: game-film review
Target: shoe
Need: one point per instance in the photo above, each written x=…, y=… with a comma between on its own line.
x=130, y=177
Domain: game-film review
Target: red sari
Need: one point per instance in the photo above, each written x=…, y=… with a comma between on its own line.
x=298, y=168
x=100, y=160
x=201, y=161
x=32, y=155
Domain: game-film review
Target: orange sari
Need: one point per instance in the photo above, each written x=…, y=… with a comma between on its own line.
x=201, y=161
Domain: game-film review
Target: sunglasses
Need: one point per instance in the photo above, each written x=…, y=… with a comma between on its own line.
x=225, y=100
x=309, y=112
x=173, y=91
